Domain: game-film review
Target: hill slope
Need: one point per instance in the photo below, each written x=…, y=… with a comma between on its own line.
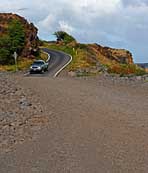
x=94, y=58
x=31, y=39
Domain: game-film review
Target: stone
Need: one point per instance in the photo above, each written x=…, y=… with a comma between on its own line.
x=72, y=74
x=145, y=77
x=24, y=103
x=93, y=71
x=139, y=77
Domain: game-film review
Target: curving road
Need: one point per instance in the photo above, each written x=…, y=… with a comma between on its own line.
x=58, y=61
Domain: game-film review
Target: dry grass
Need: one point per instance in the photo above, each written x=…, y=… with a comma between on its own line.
x=81, y=58
x=43, y=56
x=124, y=69
x=23, y=63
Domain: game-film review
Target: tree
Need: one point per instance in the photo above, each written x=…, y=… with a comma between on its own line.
x=17, y=36
x=5, y=53
x=12, y=42
x=63, y=36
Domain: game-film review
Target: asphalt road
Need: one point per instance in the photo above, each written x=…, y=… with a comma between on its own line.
x=58, y=60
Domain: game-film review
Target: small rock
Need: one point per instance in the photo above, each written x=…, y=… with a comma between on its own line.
x=146, y=78
x=72, y=74
x=24, y=103
x=139, y=77
x=93, y=71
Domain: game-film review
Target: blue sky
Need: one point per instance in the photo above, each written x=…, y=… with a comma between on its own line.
x=114, y=23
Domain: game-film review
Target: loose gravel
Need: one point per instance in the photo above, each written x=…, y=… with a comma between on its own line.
x=94, y=124
x=21, y=114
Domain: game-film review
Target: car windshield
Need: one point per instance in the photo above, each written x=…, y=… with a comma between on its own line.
x=38, y=63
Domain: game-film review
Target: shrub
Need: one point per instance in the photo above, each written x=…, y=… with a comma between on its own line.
x=13, y=41
x=63, y=36
x=124, y=69
x=5, y=52
x=17, y=36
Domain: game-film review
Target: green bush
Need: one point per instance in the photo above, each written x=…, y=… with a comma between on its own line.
x=17, y=36
x=126, y=69
x=5, y=52
x=63, y=36
x=12, y=42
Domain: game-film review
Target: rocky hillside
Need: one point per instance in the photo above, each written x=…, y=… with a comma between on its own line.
x=90, y=59
x=31, y=39
x=94, y=58
x=106, y=54
x=94, y=52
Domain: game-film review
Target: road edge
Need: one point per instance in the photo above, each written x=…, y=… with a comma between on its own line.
x=48, y=59
x=57, y=73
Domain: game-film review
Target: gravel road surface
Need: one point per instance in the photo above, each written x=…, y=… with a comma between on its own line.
x=94, y=127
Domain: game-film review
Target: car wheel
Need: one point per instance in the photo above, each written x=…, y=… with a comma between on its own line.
x=42, y=71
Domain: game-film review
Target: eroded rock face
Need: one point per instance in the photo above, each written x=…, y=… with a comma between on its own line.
x=31, y=42
x=117, y=55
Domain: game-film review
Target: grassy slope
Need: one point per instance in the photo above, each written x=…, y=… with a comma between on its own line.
x=83, y=57
x=80, y=55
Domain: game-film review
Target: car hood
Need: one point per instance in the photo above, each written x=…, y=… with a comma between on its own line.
x=36, y=65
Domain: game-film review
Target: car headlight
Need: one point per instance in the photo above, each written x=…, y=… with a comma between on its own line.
x=39, y=68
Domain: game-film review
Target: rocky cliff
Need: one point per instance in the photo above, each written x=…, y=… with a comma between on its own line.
x=31, y=39
x=105, y=54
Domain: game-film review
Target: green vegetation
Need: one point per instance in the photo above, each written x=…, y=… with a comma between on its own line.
x=81, y=57
x=5, y=52
x=87, y=55
x=43, y=56
x=126, y=69
x=69, y=45
x=12, y=41
x=17, y=36
x=63, y=36
x=23, y=63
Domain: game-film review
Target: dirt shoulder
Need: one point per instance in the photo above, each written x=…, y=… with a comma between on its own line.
x=21, y=114
x=94, y=125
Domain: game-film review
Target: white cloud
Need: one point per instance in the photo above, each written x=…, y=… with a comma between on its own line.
x=47, y=23
x=63, y=26
x=117, y=23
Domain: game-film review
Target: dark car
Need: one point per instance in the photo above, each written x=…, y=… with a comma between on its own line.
x=39, y=66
